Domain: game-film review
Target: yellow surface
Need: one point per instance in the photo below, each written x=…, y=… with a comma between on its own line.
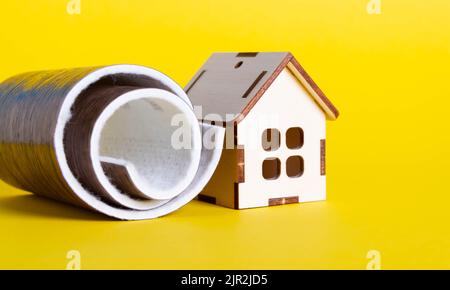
x=388, y=153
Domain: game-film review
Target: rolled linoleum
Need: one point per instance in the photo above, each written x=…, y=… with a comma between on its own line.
x=105, y=139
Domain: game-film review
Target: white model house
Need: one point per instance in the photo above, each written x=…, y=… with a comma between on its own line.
x=276, y=124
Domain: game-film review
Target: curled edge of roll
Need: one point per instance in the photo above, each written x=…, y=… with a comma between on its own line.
x=36, y=110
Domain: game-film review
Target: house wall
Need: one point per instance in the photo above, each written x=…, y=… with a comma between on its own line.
x=285, y=104
x=221, y=187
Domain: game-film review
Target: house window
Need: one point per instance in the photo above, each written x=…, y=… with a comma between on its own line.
x=271, y=168
x=294, y=138
x=295, y=165
x=271, y=139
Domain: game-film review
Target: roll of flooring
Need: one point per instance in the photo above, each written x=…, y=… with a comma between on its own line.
x=121, y=140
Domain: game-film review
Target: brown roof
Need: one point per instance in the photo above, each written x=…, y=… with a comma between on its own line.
x=232, y=83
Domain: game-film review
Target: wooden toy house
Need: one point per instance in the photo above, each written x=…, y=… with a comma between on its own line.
x=275, y=117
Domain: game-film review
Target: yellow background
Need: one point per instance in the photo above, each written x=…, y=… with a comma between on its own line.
x=387, y=155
